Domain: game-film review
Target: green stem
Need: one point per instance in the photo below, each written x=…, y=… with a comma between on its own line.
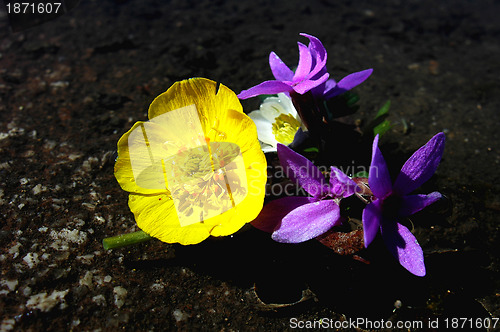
x=125, y=240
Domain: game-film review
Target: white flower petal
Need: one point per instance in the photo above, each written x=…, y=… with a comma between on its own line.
x=271, y=108
x=264, y=128
x=287, y=104
x=266, y=148
x=257, y=116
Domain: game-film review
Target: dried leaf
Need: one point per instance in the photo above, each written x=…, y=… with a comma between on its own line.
x=343, y=243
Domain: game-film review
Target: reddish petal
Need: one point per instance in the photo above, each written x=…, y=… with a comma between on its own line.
x=274, y=211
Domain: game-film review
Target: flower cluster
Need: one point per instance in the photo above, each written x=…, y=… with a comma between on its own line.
x=308, y=87
x=197, y=167
x=298, y=219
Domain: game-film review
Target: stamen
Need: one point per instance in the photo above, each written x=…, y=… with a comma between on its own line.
x=284, y=128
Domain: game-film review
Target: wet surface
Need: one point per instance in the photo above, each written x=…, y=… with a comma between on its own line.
x=71, y=87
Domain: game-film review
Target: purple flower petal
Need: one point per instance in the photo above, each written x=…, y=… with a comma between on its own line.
x=299, y=169
x=316, y=45
x=341, y=185
x=404, y=246
x=280, y=70
x=319, y=91
x=379, y=178
x=347, y=83
x=330, y=84
x=273, y=212
x=299, y=138
x=354, y=79
x=265, y=88
x=372, y=217
x=305, y=62
x=318, y=53
x=420, y=166
x=307, y=222
x=413, y=203
x=304, y=86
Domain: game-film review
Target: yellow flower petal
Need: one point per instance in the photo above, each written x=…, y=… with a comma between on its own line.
x=199, y=91
x=144, y=148
x=156, y=215
x=150, y=179
x=240, y=129
x=196, y=168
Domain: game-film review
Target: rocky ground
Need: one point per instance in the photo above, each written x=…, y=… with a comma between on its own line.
x=69, y=88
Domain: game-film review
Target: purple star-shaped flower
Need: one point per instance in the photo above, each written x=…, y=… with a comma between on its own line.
x=310, y=75
x=393, y=202
x=304, y=218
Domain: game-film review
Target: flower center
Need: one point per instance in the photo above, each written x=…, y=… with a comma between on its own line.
x=284, y=128
x=206, y=181
x=391, y=206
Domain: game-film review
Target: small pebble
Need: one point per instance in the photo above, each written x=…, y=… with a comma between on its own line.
x=120, y=295
x=180, y=315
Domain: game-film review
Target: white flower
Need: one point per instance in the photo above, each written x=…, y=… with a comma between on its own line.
x=277, y=121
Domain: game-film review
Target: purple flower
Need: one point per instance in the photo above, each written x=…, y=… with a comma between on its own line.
x=304, y=218
x=310, y=75
x=393, y=202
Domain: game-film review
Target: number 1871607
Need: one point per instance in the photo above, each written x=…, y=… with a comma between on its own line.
x=461, y=323
x=33, y=8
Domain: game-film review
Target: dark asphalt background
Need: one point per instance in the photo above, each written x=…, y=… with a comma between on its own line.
x=70, y=87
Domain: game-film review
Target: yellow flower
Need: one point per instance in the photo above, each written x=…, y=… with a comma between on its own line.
x=194, y=169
